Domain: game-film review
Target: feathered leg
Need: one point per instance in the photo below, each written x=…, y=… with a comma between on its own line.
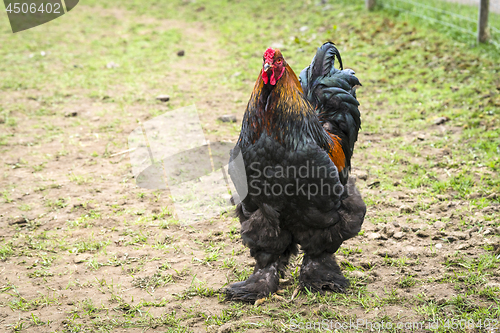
x=319, y=270
x=271, y=247
x=320, y=273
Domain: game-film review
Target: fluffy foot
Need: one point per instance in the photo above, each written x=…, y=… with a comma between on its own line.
x=260, y=284
x=321, y=273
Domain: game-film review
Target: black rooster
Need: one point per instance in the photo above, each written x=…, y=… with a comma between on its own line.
x=296, y=142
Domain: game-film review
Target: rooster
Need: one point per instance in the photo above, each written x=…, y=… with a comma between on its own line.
x=296, y=142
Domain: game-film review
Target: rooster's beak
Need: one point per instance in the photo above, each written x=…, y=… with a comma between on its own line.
x=266, y=67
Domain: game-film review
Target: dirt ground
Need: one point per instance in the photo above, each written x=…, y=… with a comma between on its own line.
x=84, y=249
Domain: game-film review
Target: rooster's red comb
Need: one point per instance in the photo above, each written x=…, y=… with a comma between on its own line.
x=268, y=55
